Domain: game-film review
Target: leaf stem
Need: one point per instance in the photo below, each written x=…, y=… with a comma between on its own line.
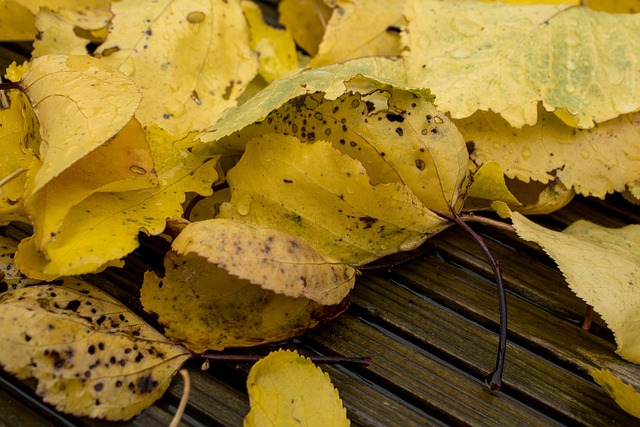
x=13, y=175
x=495, y=379
x=251, y=358
x=488, y=221
x=184, y=399
x=10, y=85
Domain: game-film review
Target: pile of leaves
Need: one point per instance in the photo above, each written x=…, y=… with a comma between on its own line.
x=329, y=145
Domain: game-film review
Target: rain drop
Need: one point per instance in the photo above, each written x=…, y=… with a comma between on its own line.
x=526, y=153
x=244, y=205
x=420, y=164
x=196, y=17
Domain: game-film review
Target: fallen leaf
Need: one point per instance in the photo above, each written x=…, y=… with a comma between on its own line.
x=68, y=31
x=593, y=162
x=508, y=58
x=619, y=6
x=90, y=355
x=624, y=394
x=276, y=48
x=286, y=389
x=331, y=80
x=325, y=197
x=117, y=218
x=272, y=259
x=306, y=20
x=191, y=59
x=400, y=138
x=11, y=277
x=17, y=22
x=81, y=103
x=204, y=307
x=373, y=39
x=602, y=266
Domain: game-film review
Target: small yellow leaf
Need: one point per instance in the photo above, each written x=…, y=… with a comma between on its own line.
x=325, y=197
x=205, y=308
x=191, y=59
x=90, y=355
x=272, y=259
x=11, y=277
x=81, y=103
x=306, y=20
x=593, y=162
x=276, y=48
x=624, y=394
x=489, y=184
x=346, y=37
x=602, y=266
x=286, y=389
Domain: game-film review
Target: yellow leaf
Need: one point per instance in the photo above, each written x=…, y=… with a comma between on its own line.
x=306, y=20
x=402, y=138
x=508, y=58
x=17, y=128
x=286, y=389
x=206, y=308
x=17, y=22
x=10, y=276
x=489, y=184
x=130, y=167
x=593, y=162
x=81, y=103
x=347, y=38
x=67, y=31
x=272, y=259
x=90, y=355
x=276, y=48
x=117, y=218
x=191, y=59
x=618, y=6
x=624, y=394
x=602, y=266
x=325, y=197
x=35, y=5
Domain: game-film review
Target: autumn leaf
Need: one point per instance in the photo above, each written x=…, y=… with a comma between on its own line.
x=306, y=20
x=325, y=197
x=69, y=31
x=373, y=39
x=204, y=307
x=402, y=138
x=17, y=140
x=11, y=277
x=118, y=217
x=498, y=57
x=90, y=355
x=593, y=162
x=624, y=394
x=17, y=23
x=602, y=266
x=75, y=118
x=286, y=389
x=191, y=59
x=276, y=48
x=331, y=80
x=272, y=259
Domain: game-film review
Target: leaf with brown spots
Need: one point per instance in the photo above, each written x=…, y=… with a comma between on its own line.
x=90, y=355
x=205, y=308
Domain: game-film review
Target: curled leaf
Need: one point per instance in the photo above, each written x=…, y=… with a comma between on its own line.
x=90, y=355
x=206, y=308
x=624, y=394
x=272, y=259
x=286, y=389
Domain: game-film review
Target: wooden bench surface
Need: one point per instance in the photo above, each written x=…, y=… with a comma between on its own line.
x=430, y=327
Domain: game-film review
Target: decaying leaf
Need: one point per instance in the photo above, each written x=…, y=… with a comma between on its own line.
x=593, y=162
x=508, y=58
x=397, y=135
x=191, y=59
x=375, y=38
x=118, y=217
x=306, y=20
x=272, y=259
x=325, y=197
x=286, y=389
x=624, y=394
x=90, y=355
x=205, y=308
x=602, y=266
x=11, y=277
x=78, y=117
x=276, y=48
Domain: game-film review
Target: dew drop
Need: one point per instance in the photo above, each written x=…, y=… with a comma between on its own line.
x=584, y=154
x=526, y=153
x=137, y=170
x=465, y=27
x=571, y=65
x=570, y=88
x=420, y=164
x=572, y=40
x=196, y=17
x=438, y=120
x=244, y=205
x=461, y=53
